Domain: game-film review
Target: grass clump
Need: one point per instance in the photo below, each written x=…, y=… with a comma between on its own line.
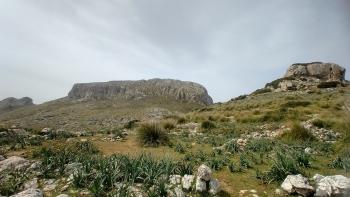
x=342, y=161
x=292, y=104
x=322, y=123
x=285, y=163
x=262, y=91
x=297, y=133
x=260, y=145
x=152, y=134
x=11, y=181
x=207, y=124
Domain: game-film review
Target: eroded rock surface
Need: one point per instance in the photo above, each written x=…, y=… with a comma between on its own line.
x=168, y=88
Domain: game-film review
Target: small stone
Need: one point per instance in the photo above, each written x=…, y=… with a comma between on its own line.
x=29, y=193
x=2, y=158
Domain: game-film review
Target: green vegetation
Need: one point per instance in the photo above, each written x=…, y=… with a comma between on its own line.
x=297, y=134
x=208, y=125
x=11, y=180
x=152, y=134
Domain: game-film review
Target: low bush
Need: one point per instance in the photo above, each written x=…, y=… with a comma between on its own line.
x=328, y=84
x=297, y=133
x=208, y=125
x=322, y=123
x=262, y=91
x=260, y=145
x=181, y=120
x=11, y=181
x=342, y=161
x=152, y=134
x=169, y=125
x=292, y=104
x=58, y=135
x=286, y=162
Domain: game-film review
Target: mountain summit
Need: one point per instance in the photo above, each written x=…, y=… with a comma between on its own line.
x=134, y=90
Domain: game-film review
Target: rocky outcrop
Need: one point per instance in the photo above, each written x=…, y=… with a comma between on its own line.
x=319, y=70
x=11, y=103
x=167, y=88
x=303, y=76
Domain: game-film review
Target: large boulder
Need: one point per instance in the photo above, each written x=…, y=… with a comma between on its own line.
x=337, y=185
x=204, y=173
x=167, y=88
x=322, y=71
x=14, y=162
x=297, y=184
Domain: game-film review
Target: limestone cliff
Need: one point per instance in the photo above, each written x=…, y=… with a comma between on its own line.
x=167, y=88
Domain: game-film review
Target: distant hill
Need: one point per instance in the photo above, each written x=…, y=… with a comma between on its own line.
x=10, y=104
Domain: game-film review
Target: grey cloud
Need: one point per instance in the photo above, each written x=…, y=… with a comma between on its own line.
x=231, y=47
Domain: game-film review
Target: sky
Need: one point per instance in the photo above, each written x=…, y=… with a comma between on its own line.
x=232, y=47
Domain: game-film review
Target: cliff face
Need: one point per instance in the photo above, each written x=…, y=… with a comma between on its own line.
x=303, y=76
x=167, y=88
x=11, y=103
x=319, y=70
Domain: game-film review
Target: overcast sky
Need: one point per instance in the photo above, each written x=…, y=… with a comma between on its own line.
x=231, y=47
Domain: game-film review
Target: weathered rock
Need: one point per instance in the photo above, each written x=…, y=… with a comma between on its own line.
x=15, y=162
x=176, y=192
x=201, y=185
x=323, y=71
x=337, y=185
x=187, y=181
x=62, y=195
x=204, y=173
x=29, y=193
x=297, y=184
x=214, y=186
x=11, y=103
x=175, y=179
x=32, y=184
x=168, y=88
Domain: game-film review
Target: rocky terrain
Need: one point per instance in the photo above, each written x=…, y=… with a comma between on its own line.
x=111, y=104
x=304, y=76
x=10, y=104
x=167, y=88
x=274, y=142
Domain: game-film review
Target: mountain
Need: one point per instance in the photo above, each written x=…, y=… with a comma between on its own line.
x=167, y=88
x=10, y=104
x=94, y=106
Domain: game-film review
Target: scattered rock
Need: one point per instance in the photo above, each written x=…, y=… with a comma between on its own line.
x=2, y=158
x=32, y=184
x=336, y=185
x=175, y=179
x=14, y=161
x=29, y=193
x=62, y=195
x=297, y=184
x=187, y=181
x=204, y=173
x=214, y=186
x=201, y=185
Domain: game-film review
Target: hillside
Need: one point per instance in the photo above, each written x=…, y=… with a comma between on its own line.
x=104, y=105
x=273, y=142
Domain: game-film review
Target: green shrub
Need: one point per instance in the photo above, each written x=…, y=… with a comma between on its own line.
x=130, y=124
x=285, y=163
x=328, y=84
x=322, y=123
x=208, y=125
x=342, y=161
x=152, y=135
x=180, y=148
x=181, y=120
x=262, y=91
x=292, y=104
x=169, y=125
x=260, y=145
x=232, y=147
x=58, y=135
x=11, y=181
x=297, y=133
